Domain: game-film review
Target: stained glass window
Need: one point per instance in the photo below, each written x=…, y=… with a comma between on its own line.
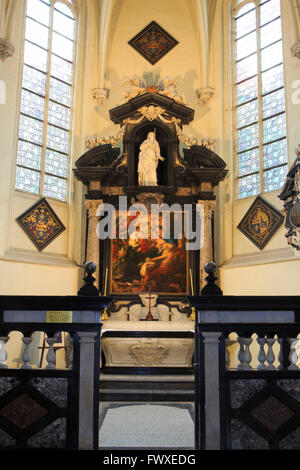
x=46, y=99
x=259, y=97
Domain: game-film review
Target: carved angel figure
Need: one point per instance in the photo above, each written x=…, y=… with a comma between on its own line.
x=137, y=87
x=169, y=89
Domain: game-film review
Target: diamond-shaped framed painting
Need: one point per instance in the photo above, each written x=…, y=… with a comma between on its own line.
x=260, y=222
x=41, y=224
x=153, y=42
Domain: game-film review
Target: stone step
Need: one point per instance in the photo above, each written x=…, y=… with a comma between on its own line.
x=134, y=388
x=145, y=396
x=114, y=385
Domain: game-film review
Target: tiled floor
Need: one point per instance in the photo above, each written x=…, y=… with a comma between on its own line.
x=146, y=425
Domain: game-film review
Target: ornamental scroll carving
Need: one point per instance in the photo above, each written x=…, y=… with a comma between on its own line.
x=189, y=141
x=167, y=87
x=92, y=142
x=149, y=353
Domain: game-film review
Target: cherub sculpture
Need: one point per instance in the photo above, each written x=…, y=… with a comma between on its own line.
x=169, y=89
x=137, y=87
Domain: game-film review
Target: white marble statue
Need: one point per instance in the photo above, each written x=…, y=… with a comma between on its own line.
x=148, y=161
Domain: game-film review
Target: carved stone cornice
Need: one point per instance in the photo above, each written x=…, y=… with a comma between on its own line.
x=6, y=49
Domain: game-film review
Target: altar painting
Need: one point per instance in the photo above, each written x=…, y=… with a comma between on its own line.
x=140, y=264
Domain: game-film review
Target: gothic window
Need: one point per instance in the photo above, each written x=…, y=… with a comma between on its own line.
x=45, y=121
x=259, y=97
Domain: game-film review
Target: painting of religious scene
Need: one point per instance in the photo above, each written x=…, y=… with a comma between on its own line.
x=140, y=263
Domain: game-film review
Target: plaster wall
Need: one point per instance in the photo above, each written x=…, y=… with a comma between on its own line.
x=244, y=269
x=201, y=59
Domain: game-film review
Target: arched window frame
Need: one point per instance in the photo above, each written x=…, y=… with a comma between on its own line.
x=263, y=171
x=54, y=162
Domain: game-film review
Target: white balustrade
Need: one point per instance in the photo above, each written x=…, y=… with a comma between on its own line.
x=3, y=352
x=268, y=353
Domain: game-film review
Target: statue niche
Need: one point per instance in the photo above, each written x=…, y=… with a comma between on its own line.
x=151, y=156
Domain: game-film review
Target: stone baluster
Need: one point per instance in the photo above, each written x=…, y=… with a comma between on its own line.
x=50, y=354
x=206, y=251
x=92, y=249
x=261, y=354
x=280, y=353
x=293, y=356
x=26, y=354
x=227, y=357
x=270, y=354
x=241, y=354
x=3, y=352
x=69, y=341
x=247, y=353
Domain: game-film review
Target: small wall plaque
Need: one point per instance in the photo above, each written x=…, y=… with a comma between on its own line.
x=153, y=42
x=59, y=317
x=260, y=222
x=41, y=224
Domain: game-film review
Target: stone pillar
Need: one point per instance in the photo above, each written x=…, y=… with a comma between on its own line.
x=86, y=389
x=206, y=252
x=92, y=251
x=212, y=397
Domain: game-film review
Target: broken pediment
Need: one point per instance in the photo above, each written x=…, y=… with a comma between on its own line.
x=132, y=108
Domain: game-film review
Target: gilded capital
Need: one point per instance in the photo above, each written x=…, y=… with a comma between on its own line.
x=209, y=206
x=92, y=206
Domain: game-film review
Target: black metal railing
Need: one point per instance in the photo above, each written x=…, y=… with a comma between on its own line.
x=41, y=404
x=234, y=351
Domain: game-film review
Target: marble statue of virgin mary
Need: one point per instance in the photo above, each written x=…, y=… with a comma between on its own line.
x=148, y=161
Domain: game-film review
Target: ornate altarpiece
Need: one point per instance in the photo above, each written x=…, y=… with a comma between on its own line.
x=143, y=286
x=190, y=178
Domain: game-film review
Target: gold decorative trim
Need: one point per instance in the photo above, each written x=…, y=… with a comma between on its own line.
x=92, y=142
x=189, y=141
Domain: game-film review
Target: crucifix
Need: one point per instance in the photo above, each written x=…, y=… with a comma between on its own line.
x=149, y=316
